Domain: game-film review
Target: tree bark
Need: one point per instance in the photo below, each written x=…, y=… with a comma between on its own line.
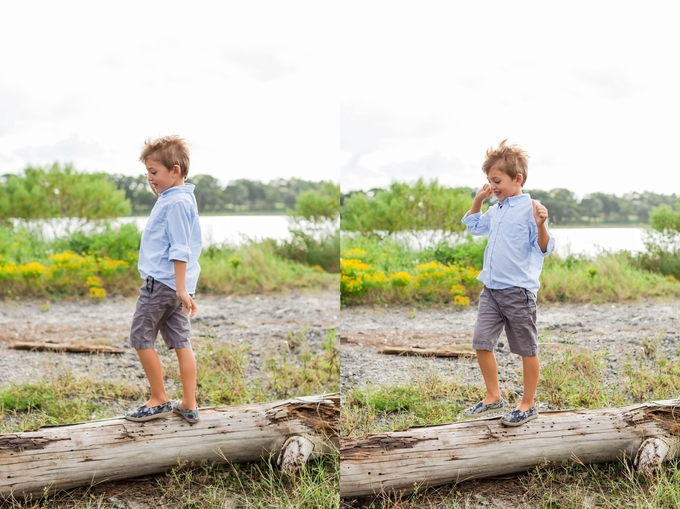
x=436, y=455
x=110, y=449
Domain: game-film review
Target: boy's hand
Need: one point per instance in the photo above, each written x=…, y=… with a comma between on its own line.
x=484, y=193
x=188, y=305
x=540, y=213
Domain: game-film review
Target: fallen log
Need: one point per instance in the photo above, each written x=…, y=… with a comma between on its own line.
x=436, y=455
x=63, y=347
x=64, y=457
x=425, y=352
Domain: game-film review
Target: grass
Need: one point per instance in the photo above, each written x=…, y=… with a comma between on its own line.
x=211, y=486
x=607, y=277
x=255, y=268
x=63, y=398
x=569, y=486
x=571, y=378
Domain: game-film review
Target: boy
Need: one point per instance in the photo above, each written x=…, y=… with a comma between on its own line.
x=518, y=241
x=168, y=262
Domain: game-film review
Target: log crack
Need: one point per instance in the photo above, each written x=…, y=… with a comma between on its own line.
x=19, y=444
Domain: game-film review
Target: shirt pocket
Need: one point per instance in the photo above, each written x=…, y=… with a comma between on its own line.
x=515, y=230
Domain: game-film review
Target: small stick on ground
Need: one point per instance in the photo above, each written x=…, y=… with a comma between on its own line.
x=63, y=347
x=425, y=352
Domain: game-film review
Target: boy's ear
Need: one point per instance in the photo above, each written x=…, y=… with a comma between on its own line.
x=177, y=169
x=519, y=178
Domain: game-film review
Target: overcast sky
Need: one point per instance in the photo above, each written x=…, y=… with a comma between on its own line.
x=251, y=85
x=590, y=89
x=412, y=89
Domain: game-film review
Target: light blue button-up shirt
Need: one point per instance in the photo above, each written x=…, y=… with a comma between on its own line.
x=512, y=256
x=172, y=233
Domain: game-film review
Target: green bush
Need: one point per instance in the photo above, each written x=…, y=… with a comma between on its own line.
x=60, y=191
x=421, y=207
x=309, y=249
x=470, y=252
x=121, y=243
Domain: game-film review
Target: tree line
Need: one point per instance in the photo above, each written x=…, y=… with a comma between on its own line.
x=240, y=196
x=431, y=206
x=57, y=191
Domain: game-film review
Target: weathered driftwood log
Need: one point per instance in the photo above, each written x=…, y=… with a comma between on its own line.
x=436, y=455
x=425, y=352
x=75, y=455
x=63, y=347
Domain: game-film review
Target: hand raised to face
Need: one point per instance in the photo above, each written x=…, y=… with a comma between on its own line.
x=484, y=193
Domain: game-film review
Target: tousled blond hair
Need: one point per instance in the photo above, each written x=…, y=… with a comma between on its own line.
x=513, y=159
x=169, y=151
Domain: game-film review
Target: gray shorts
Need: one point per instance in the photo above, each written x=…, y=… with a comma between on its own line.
x=513, y=308
x=159, y=309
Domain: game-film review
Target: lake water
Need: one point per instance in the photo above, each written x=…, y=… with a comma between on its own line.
x=232, y=229
x=591, y=240
x=235, y=229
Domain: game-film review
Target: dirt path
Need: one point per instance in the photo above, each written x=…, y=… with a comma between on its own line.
x=261, y=322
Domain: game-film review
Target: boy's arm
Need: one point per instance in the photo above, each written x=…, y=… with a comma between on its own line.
x=541, y=216
x=478, y=225
x=188, y=305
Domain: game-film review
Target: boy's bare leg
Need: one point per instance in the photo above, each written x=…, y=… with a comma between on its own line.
x=154, y=373
x=531, y=368
x=489, y=367
x=187, y=372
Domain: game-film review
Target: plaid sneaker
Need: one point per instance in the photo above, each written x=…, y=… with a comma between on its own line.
x=518, y=417
x=482, y=408
x=144, y=413
x=191, y=416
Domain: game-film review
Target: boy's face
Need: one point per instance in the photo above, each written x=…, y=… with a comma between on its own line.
x=160, y=177
x=502, y=185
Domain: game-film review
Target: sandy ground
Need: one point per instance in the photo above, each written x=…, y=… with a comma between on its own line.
x=618, y=329
x=261, y=322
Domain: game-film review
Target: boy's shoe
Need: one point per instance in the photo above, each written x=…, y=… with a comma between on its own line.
x=191, y=416
x=482, y=408
x=518, y=417
x=144, y=413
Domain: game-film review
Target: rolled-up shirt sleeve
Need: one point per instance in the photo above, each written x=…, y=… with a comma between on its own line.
x=477, y=223
x=179, y=233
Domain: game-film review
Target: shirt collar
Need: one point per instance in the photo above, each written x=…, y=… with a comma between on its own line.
x=511, y=201
x=184, y=188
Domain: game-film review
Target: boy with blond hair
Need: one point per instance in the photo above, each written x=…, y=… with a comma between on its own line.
x=518, y=241
x=168, y=262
